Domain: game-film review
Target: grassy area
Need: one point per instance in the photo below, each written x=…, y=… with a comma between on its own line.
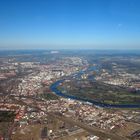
x=101, y=92
x=49, y=96
x=28, y=133
x=6, y=116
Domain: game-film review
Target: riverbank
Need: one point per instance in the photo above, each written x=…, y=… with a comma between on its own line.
x=54, y=88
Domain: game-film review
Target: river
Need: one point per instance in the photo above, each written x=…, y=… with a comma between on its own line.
x=54, y=88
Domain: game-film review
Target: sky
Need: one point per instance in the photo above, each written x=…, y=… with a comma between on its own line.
x=69, y=24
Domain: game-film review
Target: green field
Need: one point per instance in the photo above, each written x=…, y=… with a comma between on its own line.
x=101, y=92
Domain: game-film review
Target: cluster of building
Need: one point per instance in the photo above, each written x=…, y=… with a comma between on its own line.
x=80, y=111
x=120, y=77
x=88, y=114
x=6, y=75
x=9, y=107
x=10, y=68
x=100, y=118
x=83, y=112
x=47, y=74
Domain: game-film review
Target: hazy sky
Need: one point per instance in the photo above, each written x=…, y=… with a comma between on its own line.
x=57, y=24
